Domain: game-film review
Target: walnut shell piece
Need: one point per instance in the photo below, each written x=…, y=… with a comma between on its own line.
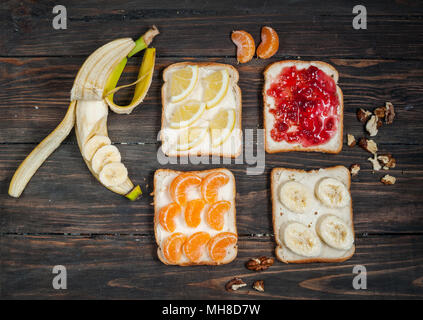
x=387, y=161
x=375, y=163
x=354, y=169
x=235, y=284
x=387, y=179
x=368, y=145
x=351, y=142
x=259, y=285
x=363, y=115
x=259, y=264
x=372, y=125
x=389, y=113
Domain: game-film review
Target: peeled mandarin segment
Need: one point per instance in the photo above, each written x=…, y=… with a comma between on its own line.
x=218, y=245
x=180, y=184
x=195, y=244
x=215, y=214
x=245, y=45
x=167, y=216
x=211, y=184
x=172, y=247
x=193, y=212
x=269, y=43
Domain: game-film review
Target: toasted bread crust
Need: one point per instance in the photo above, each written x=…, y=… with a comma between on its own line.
x=279, y=243
x=238, y=97
x=335, y=76
x=156, y=219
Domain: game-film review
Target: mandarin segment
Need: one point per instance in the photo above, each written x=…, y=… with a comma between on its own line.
x=218, y=245
x=215, y=214
x=167, y=216
x=172, y=247
x=211, y=184
x=269, y=44
x=245, y=45
x=193, y=212
x=195, y=245
x=180, y=184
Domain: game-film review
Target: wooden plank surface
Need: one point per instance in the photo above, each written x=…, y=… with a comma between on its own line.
x=108, y=246
x=127, y=267
x=36, y=95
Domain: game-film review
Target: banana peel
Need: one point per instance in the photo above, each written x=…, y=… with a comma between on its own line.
x=96, y=81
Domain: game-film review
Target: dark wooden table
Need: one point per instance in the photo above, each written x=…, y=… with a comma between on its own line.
x=65, y=217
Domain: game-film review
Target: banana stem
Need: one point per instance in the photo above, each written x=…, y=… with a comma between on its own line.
x=144, y=41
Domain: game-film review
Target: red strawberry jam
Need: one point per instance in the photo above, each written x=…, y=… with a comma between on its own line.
x=306, y=106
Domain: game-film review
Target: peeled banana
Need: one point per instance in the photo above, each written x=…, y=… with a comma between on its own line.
x=91, y=97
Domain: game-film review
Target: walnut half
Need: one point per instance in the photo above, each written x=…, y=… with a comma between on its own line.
x=259, y=264
x=387, y=161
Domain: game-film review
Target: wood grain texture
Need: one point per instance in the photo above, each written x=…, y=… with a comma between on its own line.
x=63, y=197
x=127, y=267
x=322, y=29
x=35, y=95
x=107, y=243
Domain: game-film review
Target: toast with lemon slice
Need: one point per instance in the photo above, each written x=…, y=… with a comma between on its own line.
x=201, y=110
x=195, y=217
x=312, y=215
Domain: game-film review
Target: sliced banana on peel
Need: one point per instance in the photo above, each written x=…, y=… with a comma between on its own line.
x=300, y=239
x=91, y=97
x=335, y=232
x=113, y=174
x=332, y=193
x=93, y=144
x=103, y=156
x=296, y=196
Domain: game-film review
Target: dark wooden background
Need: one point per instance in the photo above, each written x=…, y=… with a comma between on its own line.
x=65, y=217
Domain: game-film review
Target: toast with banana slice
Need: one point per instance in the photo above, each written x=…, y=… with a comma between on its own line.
x=195, y=217
x=201, y=110
x=312, y=215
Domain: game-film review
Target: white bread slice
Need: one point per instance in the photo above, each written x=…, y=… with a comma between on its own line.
x=232, y=147
x=334, y=145
x=282, y=215
x=162, y=181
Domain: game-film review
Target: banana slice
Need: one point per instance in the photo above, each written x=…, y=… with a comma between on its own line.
x=296, y=196
x=103, y=156
x=92, y=145
x=335, y=232
x=301, y=240
x=332, y=193
x=113, y=174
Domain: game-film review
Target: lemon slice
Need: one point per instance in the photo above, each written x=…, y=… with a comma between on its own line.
x=221, y=126
x=186, y=114
x=190, y=138
x=183, y=82
x=215, y=87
